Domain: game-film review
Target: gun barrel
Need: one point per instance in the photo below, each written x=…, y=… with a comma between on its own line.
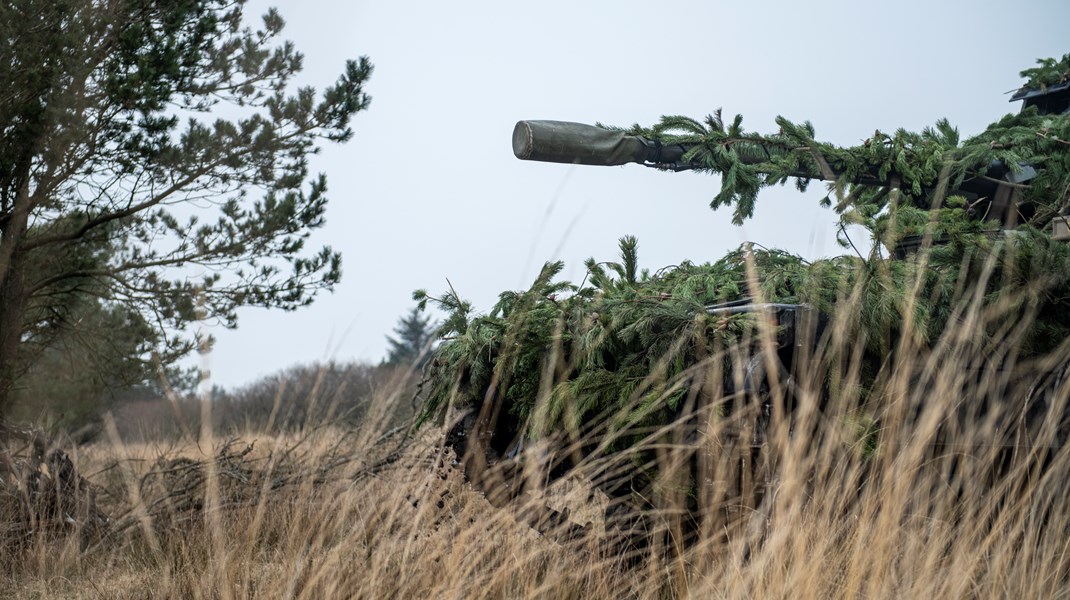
x=576, y=143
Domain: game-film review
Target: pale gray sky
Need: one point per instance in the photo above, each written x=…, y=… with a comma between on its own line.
x=429, y=188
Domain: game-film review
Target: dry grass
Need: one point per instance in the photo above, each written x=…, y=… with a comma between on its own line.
x=937, y=510
x=416, y=529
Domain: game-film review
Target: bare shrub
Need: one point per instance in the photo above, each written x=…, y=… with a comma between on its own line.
x=299, y=397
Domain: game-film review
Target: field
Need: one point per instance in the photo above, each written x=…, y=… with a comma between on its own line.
x=369, y=512
x=892, y=421
x=942, y=475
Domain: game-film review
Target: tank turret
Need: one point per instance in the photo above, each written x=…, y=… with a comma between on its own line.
x=563, y=378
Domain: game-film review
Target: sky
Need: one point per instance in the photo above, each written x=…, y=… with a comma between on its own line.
x=428, y=188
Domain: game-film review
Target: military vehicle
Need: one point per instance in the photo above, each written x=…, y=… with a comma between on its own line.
x=491, y=433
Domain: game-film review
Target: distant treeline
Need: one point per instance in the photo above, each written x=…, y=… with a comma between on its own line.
x=298, y=397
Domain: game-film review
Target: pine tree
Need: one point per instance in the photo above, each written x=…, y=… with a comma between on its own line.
x=412, y=346
x=120, y=185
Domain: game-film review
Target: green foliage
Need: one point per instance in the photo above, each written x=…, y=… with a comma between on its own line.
x=902, y=167
x=80, y=350
x=110, y=140
x=1049, y=71
x=561, y=355
x=628, y=348
x=91, y=365
x=412, y=346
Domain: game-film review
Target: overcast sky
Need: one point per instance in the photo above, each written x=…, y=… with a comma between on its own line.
x=428, y=189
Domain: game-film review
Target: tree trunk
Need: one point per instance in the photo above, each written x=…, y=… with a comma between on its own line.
x=12, y=292
x=12, y=303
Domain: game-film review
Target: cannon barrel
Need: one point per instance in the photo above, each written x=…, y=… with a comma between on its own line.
x=577, y=143
x=564, y=142
x=581, y=144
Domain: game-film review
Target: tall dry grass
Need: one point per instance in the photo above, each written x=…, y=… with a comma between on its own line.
x=943, y=476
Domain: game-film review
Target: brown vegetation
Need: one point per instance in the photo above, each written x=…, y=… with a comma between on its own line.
x=926, y=499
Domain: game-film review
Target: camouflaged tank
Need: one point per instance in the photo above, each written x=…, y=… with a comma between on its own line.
x=492, y=439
